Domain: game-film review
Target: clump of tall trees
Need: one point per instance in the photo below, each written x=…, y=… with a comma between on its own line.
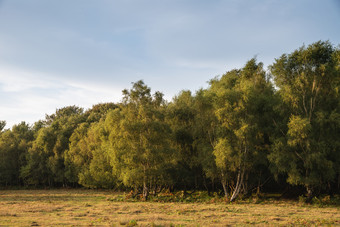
x=250, y=130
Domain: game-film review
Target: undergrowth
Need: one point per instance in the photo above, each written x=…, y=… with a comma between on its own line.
x=205, y=197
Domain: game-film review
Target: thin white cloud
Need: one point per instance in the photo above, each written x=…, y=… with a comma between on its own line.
x=35, y=94
x=16, y=80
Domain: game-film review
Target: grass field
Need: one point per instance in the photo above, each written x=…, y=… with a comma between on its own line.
x=101, y=208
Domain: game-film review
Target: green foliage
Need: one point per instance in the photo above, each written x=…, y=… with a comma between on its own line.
x=99, y=111
x=45, y=159
x=308, y=81
x=2, y=125
x=181, y=118
x=138, y=140
x=87, y=161
x=13, y=146
x=225, y=156
x=247, y=127
x=241, y=98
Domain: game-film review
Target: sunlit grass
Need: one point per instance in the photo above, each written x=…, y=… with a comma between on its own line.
x=90, y=207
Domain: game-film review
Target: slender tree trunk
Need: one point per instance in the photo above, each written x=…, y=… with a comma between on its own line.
x=224, y=185
x=238, y=185
x=213, y=185
x=145, y=191
x=240, y=176
x=245, y=183
x=309, y=190
x=145, y=187
x=205, y=185
x=259, y=184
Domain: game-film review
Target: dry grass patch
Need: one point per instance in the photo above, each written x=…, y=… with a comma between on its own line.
x=90, y=207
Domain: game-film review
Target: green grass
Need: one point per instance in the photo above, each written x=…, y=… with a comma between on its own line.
x=106, y=208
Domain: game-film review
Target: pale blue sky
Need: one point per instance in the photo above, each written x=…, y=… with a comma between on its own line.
x=83, y=52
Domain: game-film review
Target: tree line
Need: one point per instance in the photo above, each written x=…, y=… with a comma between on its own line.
x=250, y=130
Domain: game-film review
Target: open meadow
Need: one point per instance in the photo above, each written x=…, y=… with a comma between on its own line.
x=103, y=208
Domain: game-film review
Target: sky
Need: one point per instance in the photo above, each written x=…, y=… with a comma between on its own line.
x=55, y=54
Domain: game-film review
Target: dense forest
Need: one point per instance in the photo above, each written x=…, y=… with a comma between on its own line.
x=252, y=130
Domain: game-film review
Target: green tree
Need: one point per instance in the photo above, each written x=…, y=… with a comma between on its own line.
x=2, y=125
x=206, y=131
x=85, y=161
x=45, y=160
x=78, y=156
x=194, y=128
x=139, y=138
x=181, y=118
x=308, y=84
x=241, y=100
x=14, y=144
x=36, y=171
